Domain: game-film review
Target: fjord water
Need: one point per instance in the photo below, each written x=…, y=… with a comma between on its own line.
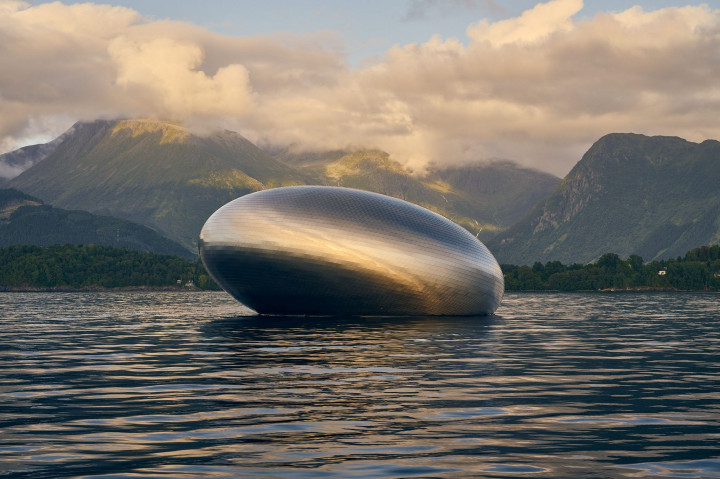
x=191, y=385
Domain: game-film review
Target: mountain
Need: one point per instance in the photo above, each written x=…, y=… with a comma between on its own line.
x=656, y=197
x=151, y=172
x=504, y=190
x=26, y=220
x=484, y=197
x=15, y=162
x=159, y=174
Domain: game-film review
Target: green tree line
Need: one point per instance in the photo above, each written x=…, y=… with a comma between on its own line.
x=90, y=266
x=698, y=270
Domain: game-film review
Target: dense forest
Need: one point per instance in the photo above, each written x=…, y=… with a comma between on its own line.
x=92, y=266
x=25, y=220
x=84, y=267
x=698, y=270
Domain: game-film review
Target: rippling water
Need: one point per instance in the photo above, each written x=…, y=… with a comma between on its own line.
x=189, y=385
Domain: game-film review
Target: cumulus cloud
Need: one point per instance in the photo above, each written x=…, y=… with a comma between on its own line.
x=533, y=25
x=162, y=74
x=538, y=88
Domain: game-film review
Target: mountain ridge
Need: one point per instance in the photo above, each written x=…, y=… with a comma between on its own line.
x=630, y=194
x=111, y=168
x=158, y=174
x=655, y=196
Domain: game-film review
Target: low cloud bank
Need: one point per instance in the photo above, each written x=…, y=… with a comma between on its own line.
x=538, y=88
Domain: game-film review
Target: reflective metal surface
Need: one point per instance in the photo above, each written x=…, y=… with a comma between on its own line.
x=326, y=250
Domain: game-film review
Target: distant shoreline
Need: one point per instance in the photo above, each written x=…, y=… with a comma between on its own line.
x=91, y=289
x=614, y=290
x=123, y=289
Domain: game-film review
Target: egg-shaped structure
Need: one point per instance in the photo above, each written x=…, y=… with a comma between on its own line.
x=319, y=250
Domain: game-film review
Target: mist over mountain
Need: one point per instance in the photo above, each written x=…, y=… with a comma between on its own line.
x=158, y=174
x=26, y=220
x=656, y=197
x=15, y=162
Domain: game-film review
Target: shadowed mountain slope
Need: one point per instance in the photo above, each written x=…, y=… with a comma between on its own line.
x=25, y=220
x=656, y=197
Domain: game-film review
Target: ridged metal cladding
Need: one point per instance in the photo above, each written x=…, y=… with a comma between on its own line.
x=320, y=250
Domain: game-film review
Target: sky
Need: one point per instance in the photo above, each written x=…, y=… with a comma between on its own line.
x=430, y=81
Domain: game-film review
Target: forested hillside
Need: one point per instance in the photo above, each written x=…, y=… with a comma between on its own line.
x=80, y=267
x=25, y=220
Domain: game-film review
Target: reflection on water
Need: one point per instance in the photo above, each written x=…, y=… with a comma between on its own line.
x=188, y=385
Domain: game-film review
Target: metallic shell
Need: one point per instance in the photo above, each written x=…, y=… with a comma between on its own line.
x=325, y=250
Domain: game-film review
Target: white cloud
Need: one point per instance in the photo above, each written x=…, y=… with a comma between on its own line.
x=532, y=26
x=162, y=75
x=538, y=88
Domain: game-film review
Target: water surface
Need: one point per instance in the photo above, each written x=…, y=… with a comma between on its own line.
x=120, y=385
